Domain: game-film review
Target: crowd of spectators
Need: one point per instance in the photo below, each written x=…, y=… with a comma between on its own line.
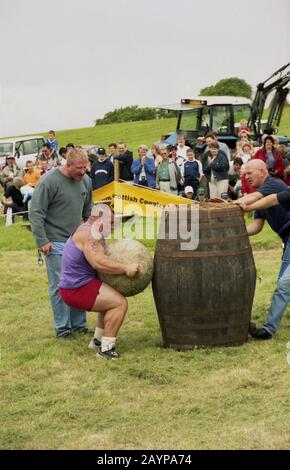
x=208, y=170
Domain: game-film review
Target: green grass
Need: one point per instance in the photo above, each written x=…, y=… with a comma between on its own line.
x=134, y=133
x=284, y=128
x=57, y=395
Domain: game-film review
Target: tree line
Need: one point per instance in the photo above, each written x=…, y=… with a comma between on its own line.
x=226, y=87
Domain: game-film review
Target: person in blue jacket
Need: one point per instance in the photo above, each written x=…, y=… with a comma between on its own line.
x=102, y=171
x=143, y=168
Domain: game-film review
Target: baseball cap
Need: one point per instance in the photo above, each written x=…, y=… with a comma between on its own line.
x=101, y=151
x=200, y=191
x=10, y=156
x=188, y=189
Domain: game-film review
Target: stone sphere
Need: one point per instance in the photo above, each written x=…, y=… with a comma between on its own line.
x=127, y=252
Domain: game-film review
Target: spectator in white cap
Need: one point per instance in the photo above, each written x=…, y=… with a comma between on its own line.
x=10, y=171
x=188, y=192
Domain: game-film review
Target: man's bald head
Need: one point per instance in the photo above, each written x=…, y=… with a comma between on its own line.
x=257, y=164
x=256, y=172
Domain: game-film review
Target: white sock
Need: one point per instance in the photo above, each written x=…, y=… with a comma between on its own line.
x=108, y=342
x=98, y=333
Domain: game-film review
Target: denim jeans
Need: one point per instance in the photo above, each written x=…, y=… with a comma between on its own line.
x=66, y=319
x=281, y=295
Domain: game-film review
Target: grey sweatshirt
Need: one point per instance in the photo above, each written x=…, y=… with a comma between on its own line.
x=57, y=206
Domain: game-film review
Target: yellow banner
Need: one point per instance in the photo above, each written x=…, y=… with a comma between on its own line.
x=131, y=199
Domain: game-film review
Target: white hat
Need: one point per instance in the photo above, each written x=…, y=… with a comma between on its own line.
x=188, y=189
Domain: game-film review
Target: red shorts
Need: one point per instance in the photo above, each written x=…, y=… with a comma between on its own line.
x=83, y=297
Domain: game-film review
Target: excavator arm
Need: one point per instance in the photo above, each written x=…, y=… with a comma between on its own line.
x=281, y=86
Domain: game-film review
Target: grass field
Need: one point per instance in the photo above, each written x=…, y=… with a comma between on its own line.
x=57, y=395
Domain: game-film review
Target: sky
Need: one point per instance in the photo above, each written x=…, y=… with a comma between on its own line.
x=66, y=63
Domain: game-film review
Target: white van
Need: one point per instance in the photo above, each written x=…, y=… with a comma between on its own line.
x=23, y=149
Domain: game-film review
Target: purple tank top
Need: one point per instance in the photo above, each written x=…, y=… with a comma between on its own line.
x=76, y=271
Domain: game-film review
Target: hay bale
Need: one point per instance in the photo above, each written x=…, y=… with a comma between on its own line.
x=127, y=252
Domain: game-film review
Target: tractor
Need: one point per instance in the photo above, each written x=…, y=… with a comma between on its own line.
x=222, y=114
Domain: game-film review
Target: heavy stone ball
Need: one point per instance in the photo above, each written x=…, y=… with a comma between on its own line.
x=127, y=252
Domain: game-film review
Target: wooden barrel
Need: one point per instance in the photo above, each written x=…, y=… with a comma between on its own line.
x=204, y=296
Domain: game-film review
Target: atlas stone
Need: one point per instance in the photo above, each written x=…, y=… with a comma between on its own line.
x=127, y=252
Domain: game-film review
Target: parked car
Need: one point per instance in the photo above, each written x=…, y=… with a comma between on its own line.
x=23, y=149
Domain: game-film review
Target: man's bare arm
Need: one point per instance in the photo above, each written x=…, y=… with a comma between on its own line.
x=249, y=198
x=255, y=227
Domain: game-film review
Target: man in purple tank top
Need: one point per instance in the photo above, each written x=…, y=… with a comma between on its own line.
x=84, y=255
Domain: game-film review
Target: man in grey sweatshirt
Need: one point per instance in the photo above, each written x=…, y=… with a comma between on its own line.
x=60, y=200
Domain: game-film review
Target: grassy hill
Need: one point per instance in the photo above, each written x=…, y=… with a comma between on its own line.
x=134, y=133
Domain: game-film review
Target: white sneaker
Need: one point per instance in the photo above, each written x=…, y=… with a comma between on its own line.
x=94, y=343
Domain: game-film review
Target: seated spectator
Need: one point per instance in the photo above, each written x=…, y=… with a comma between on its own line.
x=271, y=157
x=287, y=175
x=143, y=168
x=31, y=176
x=200, y=195
x=51, y=141
x=69, y=146
x=10, y=171
x=225, y=196
x=234, y=176
x=26, y=192
x=49, y=155
x=244, y=128
x=102, y=171
x=43, y=168
x=255, y=147
x=62, y=154
x=200, y=146
x=13, y=197
x=244, y=137
x=188, y=193
x=191, y=170
x=168, y=175
x=215, y=168
x=181, y=147
x=245, y=153
x=282, y=150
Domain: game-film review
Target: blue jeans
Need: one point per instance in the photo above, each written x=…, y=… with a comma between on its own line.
x=281, y=295
x=66, y=319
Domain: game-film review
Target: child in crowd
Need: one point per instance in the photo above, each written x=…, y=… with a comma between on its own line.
x=51, y=140
x=244, y=128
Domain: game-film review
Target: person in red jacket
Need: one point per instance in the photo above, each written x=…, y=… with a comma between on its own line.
x=269, y=154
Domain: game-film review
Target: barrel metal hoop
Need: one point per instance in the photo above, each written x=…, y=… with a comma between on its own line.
x=212, y=241
x=202, y=326
x=204, y=254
